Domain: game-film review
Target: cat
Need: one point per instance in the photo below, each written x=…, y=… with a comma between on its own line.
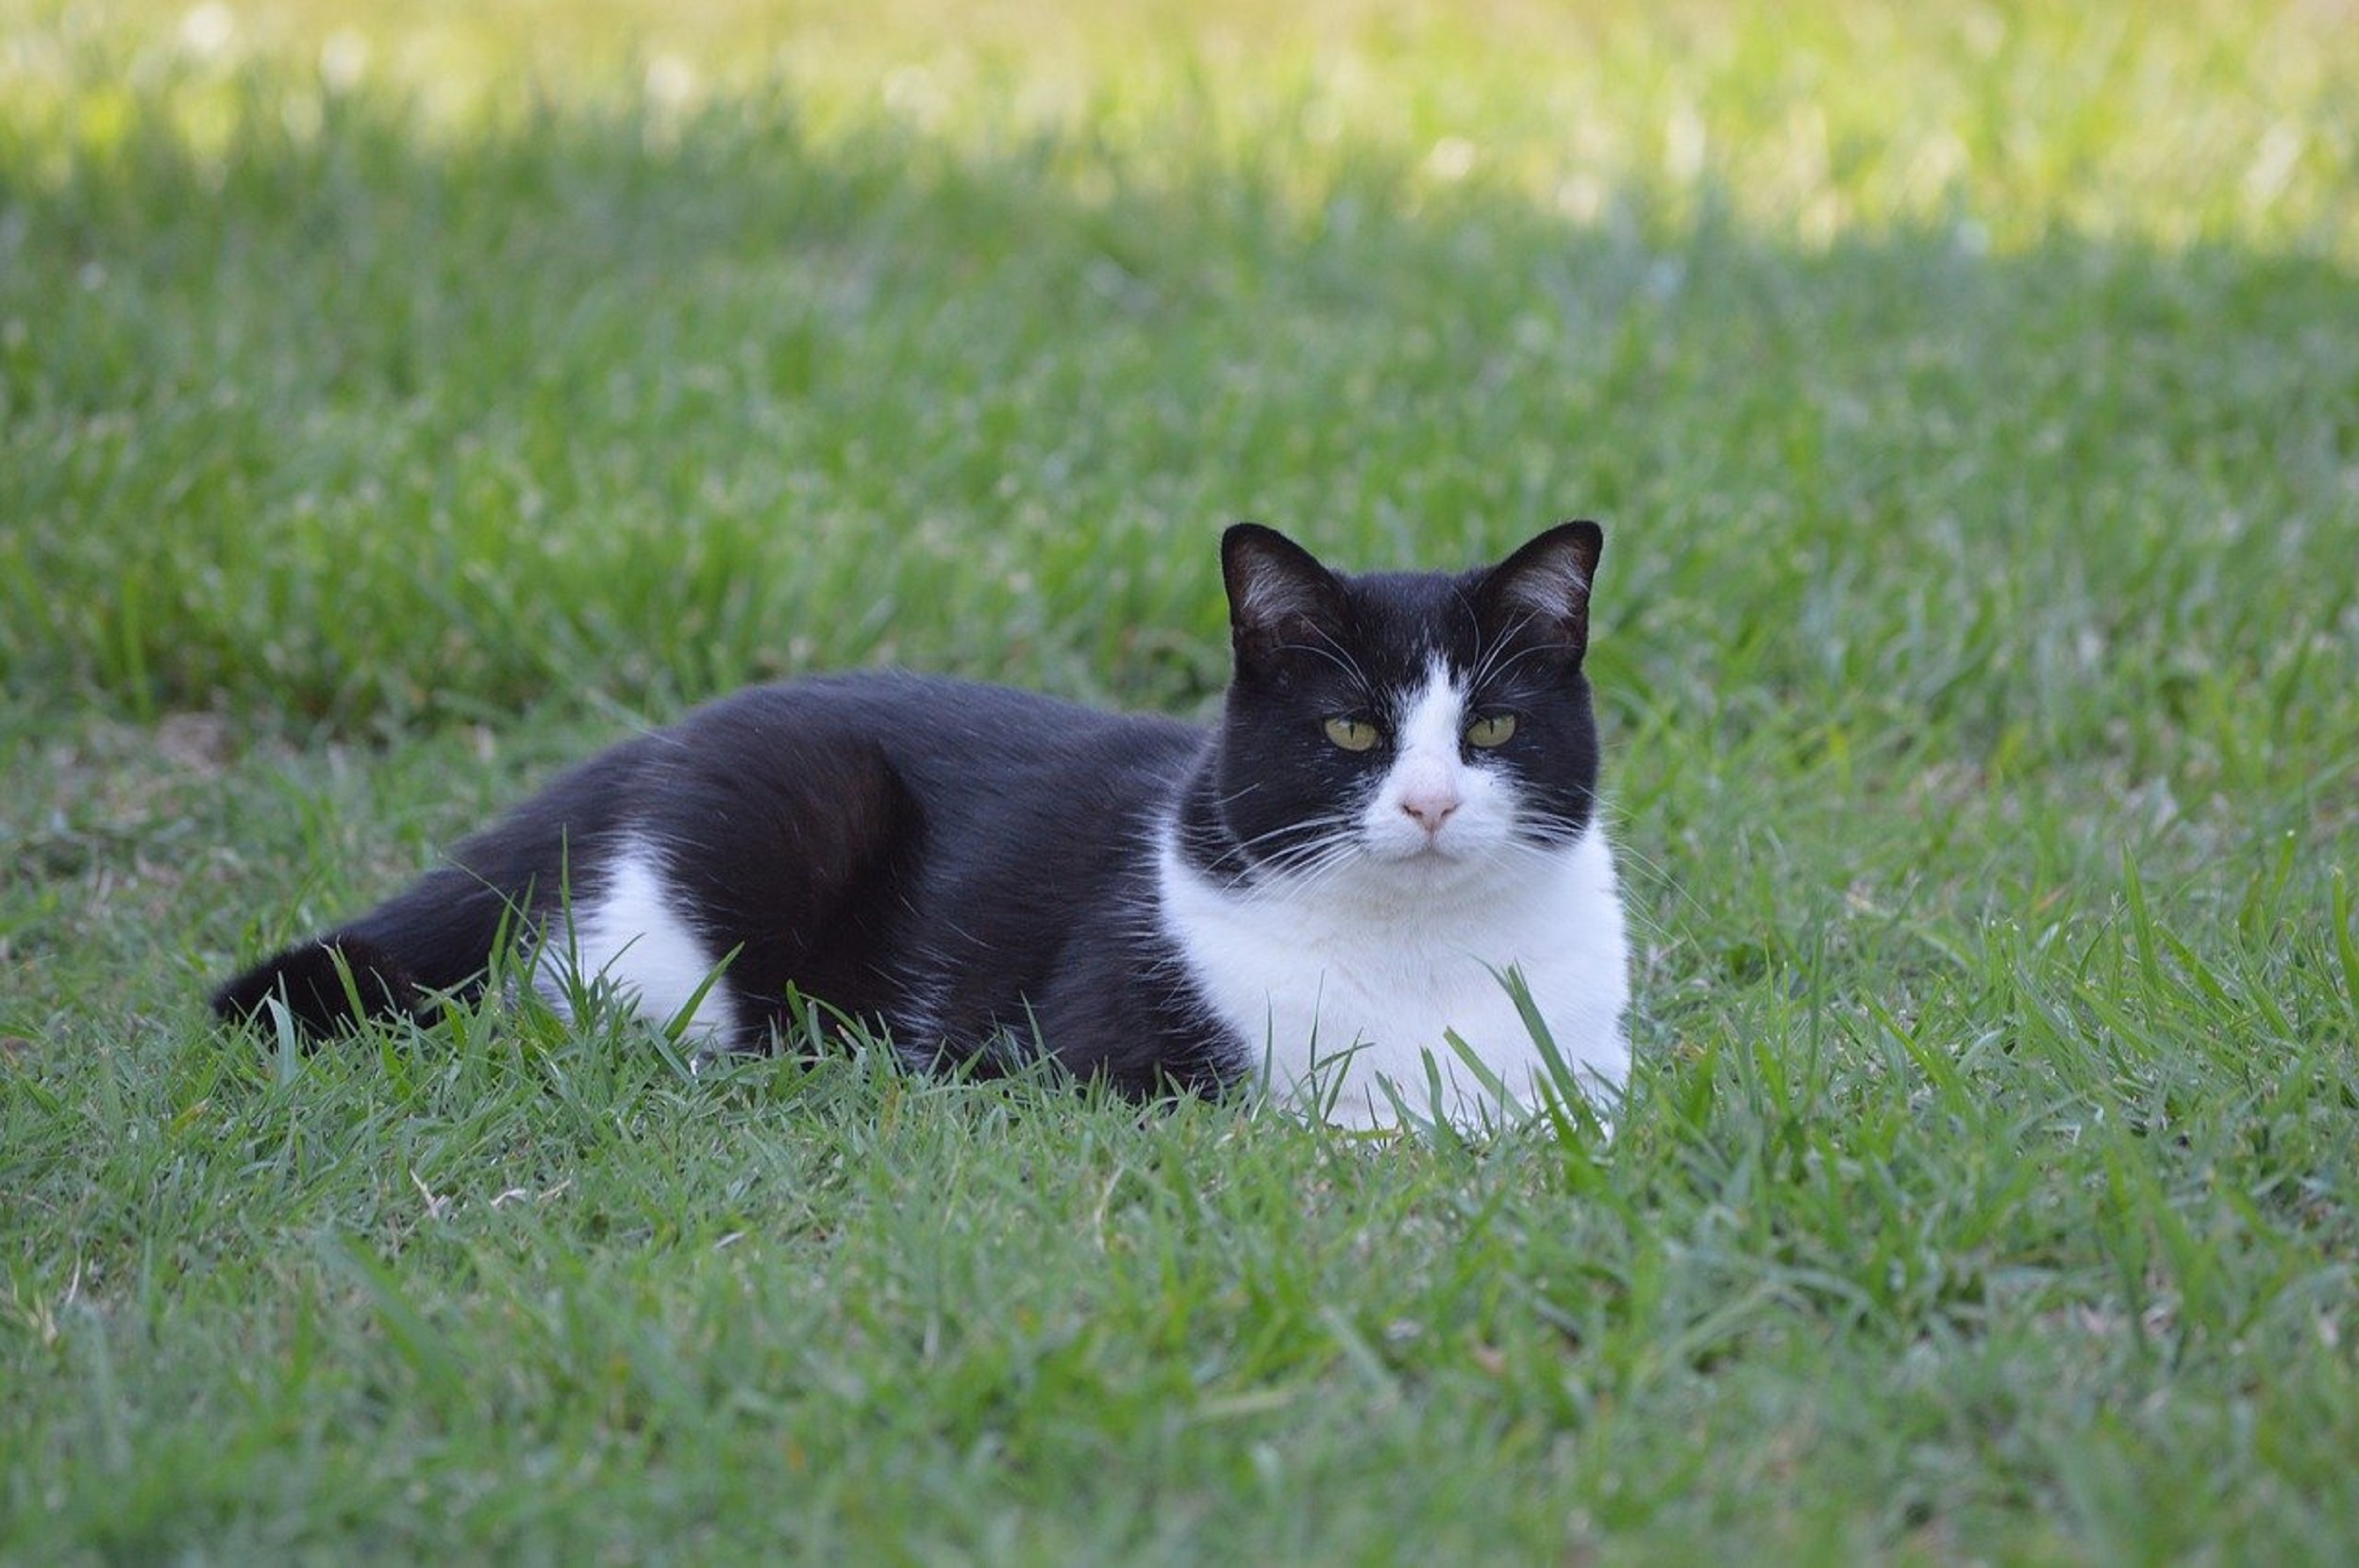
x=1323, y=898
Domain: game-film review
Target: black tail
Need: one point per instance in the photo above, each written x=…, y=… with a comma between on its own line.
x=327, y=985
x=436, y=938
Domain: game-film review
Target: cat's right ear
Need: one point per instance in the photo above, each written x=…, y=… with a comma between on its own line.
x=1279, y=594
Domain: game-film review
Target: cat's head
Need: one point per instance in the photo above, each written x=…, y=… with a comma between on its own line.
x=1423, y=725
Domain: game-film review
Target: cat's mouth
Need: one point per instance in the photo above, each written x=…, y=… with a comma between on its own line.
x=1428, y=852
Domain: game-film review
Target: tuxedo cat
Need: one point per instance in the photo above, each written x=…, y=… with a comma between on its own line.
x=1398, y=807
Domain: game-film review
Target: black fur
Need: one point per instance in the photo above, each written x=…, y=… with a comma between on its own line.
x=973, y=867
x=1309, y=643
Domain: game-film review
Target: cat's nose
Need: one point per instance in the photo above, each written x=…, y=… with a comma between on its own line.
x=1429, y=809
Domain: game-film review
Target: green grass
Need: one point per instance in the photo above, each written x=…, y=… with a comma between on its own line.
x=397, y=402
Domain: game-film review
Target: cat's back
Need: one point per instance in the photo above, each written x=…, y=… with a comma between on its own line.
x=972, y=771
x=932, y=844
x=939, y=734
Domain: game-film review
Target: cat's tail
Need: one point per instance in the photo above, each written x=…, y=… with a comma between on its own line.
x=327, y=985
x=434, y=940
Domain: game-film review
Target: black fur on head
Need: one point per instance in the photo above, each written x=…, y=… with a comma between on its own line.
x=1313, y=644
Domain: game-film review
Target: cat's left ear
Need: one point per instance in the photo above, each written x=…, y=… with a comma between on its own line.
x=1542, y=590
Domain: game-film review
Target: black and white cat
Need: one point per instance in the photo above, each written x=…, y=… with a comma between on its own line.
x=1398, y=807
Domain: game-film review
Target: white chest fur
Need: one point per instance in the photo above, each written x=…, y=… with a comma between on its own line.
x=1340, y=983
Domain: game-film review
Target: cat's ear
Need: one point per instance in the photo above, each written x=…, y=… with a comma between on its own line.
x=1278, y=591
x=1543, y=590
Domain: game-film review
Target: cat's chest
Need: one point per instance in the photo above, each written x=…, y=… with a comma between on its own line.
x=1328, y=993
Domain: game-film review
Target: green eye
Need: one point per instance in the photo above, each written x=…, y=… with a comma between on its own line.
x=1352, y=734
x=1492, y=729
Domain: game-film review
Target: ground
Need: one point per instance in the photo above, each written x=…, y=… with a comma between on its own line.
x=396, y=403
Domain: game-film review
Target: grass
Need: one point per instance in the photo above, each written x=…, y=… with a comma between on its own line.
x=396, y=403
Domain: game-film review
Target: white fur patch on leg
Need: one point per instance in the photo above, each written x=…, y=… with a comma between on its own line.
x=630, y=936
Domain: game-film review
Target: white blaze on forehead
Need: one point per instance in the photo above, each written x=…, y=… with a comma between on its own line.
x=1432, y=719
x=1427, y=781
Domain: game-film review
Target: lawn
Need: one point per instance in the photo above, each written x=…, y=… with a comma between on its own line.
x=397, y=402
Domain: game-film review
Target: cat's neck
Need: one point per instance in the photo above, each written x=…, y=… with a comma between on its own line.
x=1391, y=973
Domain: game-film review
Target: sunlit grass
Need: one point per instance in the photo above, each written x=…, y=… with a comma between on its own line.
x=2211, y=121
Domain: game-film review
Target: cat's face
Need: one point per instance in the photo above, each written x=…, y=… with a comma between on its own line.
x=1421, y=727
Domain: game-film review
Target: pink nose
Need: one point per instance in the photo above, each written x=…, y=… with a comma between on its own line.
x=1430, y=809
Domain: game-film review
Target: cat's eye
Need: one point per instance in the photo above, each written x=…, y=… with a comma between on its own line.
x=1490, y=729
x=1351, y=733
